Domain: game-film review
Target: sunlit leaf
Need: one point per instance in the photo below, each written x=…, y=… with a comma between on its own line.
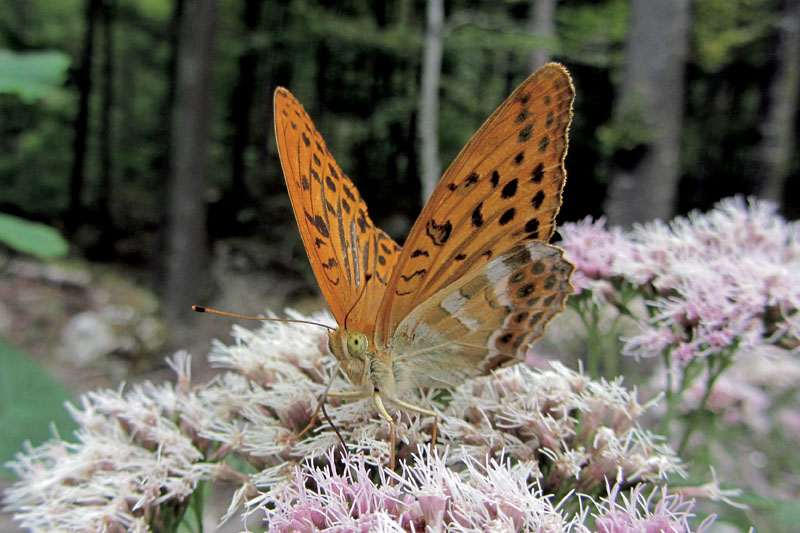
x=31, y=237
x=32, y=75
x=30, y=399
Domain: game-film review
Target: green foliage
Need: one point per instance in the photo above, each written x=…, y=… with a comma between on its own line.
x=627, y=131
x=594, y=33
x=30, y=399
x=726, y=31
x=32, y=75
x=32, y=238
x=772, y=514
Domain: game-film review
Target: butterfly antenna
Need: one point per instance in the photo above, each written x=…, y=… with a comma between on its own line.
x=367, y=277
x=341, y=439
x=201, y=309
x=321, y=407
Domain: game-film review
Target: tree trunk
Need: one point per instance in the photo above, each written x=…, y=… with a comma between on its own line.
x=542, y=24
x=429, y=97
x=241, y=107
x=83, y=78
x=187, y=267
x=773, y=153
x=644, y=179
x=103, y=248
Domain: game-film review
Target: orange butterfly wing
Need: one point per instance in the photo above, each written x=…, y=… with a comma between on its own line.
x=502, y=190
x=345, y=248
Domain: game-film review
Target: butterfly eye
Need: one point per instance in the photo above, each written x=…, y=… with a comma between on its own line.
x=356, y=344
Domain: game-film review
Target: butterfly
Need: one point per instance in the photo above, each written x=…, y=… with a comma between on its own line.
x=476, y=281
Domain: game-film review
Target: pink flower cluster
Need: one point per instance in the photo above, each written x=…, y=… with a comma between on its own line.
x=636, y=512
x=718, y=281
x=430, y=496
x=347, y=494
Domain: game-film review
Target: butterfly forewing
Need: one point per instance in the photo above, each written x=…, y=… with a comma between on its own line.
x=503, y=189
x=345, y=248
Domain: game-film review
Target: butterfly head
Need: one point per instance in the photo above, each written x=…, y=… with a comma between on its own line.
x=351, y=349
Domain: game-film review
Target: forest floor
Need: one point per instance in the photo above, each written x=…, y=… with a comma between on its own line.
x=94, y=326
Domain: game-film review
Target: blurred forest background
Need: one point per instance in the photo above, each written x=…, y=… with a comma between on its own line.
x=142, y=130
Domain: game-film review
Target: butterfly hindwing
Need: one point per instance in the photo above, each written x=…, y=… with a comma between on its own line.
x=485, y=320
x=503, y=190
x=344, y=247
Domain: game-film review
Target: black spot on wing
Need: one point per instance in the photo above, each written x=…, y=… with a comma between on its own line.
x=477, y=216
x=333, y=171
x=537, y=173
x=537, y=200
x=495, y=178
x=419, y=252
x=438, y=233
x=330, y=183
x=519, y=158
x=507, y=217
x=319, y=224
x=348, y=193
x=532, y=228
x=361, y=220
x=420, y=272
x=525, y=291
x=305, y=138
x=544, y=143
x=509, y=189
x=525, y=133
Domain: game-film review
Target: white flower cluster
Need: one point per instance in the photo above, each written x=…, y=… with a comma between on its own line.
x=143, y=451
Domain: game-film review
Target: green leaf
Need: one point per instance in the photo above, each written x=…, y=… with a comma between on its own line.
x=30, y=399
x=32, y=75
x=31, y=237
x=772, y=514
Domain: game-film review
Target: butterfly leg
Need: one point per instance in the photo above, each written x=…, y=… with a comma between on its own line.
x=349, y=395
x=376, y=397
x=421, y=410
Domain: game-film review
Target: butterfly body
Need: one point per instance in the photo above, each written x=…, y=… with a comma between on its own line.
x=475, y=283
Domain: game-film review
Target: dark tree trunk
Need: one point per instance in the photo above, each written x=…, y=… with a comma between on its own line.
x=644, y=179
x=772, y=155
x=103, y=248
x=163, y=162
x=75, y=214
x=186, y=242
x=241, y=106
